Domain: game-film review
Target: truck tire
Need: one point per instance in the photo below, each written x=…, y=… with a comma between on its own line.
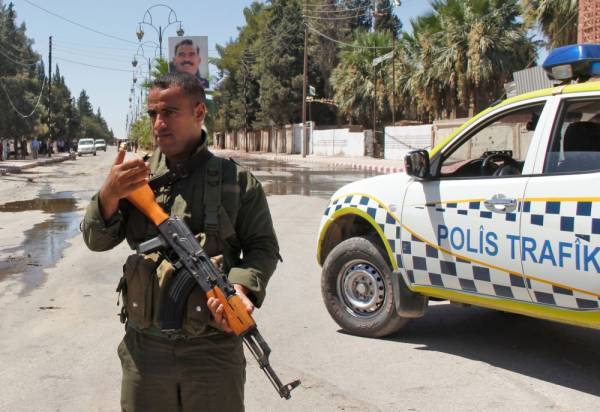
x=356, y=284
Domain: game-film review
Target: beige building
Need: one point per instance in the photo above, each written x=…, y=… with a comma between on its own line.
x=589, y=21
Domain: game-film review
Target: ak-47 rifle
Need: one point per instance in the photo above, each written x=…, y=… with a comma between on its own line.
x=193, y=267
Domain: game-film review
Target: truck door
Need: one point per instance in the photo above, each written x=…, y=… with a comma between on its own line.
x=458, y=225
x=560, y=239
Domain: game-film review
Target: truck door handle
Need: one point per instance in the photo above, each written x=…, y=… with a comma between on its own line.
x=500, y=203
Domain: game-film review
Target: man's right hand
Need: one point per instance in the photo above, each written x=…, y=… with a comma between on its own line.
x=123, y=178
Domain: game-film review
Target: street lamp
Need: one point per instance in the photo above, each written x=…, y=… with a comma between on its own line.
x=141, y=54
x=147, y=20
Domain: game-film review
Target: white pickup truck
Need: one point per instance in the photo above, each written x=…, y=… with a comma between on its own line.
x=503, y=214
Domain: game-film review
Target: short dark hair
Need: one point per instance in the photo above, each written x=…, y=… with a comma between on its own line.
x=190, y=84
x=186, y=42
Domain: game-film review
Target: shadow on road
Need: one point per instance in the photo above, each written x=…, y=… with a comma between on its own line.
x=564, y=355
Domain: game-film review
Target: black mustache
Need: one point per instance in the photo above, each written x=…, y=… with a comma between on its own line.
x=189, y=63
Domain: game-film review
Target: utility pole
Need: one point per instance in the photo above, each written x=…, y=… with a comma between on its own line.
x=394, y=80
x=375, y=107
x=50, y=94
x=304, y=87
x=245, y=93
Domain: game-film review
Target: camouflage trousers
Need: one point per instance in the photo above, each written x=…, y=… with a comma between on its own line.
x=195, y=374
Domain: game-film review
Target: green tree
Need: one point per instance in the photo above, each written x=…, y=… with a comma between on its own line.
x=335, y=20
x=385, y=19
x=353, y=79
x=21, y=87
x=280, y=64
x=460, y=55
x=141, y=132
x=362, y=10
x=556, y=18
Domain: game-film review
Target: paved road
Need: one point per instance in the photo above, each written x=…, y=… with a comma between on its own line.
x=59, y=331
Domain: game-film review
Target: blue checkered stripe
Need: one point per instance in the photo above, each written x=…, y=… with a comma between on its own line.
x=429, y=266
x=390, y=228
x=579, y=218
x=474, y=209
x=555, y=295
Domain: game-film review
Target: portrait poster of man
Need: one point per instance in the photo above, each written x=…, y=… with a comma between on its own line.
x=190, y=54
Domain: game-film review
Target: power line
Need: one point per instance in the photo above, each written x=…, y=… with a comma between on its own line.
x=323, y=8
x=346, y=10
x=96, y=46
x=346, y=44
x=111, y=61
x=354, y=16
x=78, y=24
x=24, y=116
x=16, y=49
x=94, y=66
x=92, y=52
x=8, y=56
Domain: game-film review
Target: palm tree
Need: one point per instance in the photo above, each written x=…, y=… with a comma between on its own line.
x=461, y=54
x=353, y=79
x=419, y=90
x=556, y=18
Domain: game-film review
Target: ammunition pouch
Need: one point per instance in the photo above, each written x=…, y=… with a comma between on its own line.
x=136, y=287
x=145, y=281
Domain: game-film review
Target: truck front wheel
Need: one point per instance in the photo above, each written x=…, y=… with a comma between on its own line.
x=356, y=284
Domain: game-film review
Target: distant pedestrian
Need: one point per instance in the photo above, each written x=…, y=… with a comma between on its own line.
x=4, y=149
x=11, y=149
x=35, y=147
x=50, y=147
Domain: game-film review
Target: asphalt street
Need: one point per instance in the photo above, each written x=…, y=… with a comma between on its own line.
x=59, y=329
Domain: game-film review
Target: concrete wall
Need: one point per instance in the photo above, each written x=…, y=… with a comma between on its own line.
x=444, y=128
x=337, y=142
x=399, y=140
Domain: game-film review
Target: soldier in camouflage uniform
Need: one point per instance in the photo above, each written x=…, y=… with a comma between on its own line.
x=202, y=366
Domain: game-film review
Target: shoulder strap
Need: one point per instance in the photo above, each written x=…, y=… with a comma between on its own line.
x=212, y=195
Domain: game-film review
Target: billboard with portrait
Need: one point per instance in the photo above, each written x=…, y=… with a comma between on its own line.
x=190, y=54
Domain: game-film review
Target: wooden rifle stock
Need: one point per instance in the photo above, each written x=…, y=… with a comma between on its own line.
x=143, y=199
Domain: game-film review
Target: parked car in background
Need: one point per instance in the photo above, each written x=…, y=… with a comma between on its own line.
x=100, y=144
x=86, y=146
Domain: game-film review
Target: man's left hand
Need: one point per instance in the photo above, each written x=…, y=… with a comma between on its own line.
x=216, y=307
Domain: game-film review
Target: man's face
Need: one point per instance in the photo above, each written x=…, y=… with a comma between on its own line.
x=176, y=121
x=187, y=59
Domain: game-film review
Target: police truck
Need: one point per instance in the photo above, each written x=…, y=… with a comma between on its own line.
x=503, y=214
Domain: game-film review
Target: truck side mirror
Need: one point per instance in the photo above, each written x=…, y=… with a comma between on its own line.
x=416, y=163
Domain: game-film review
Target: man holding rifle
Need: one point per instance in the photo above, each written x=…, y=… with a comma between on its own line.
x=199, y=366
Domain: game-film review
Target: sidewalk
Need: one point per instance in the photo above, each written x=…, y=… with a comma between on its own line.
x=359, y=163
x=17, y=166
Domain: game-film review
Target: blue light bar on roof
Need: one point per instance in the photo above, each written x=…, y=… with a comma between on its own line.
x=576, y=61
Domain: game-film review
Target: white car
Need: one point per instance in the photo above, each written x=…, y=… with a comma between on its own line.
x=100, y=144
x=86, y=146
x=503, y=214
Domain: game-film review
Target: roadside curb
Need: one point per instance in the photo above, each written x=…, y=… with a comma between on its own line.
x=350, y=163
x=18, y=168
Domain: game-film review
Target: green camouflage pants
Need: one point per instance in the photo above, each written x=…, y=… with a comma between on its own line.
x=197, y=374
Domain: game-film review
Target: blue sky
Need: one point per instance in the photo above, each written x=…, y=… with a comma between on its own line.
x=110, y=89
